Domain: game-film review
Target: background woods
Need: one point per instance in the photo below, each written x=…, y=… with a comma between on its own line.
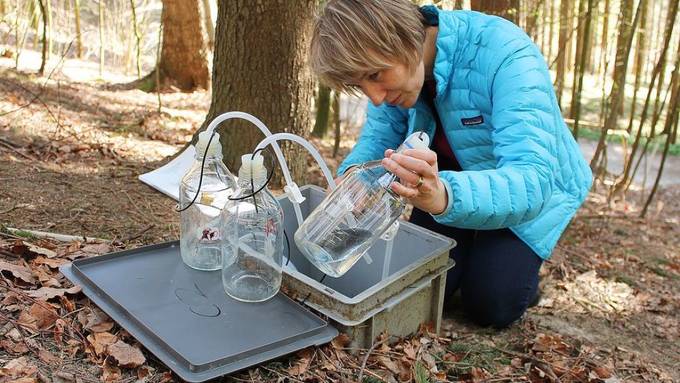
x=95, y=92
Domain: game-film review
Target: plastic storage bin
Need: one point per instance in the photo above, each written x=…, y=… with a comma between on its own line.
x=362, y=303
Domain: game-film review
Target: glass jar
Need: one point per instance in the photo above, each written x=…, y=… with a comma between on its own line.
x=254, y=227
x=201, y=239
x=353, y=216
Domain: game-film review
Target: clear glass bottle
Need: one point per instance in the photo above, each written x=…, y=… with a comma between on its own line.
x=353, y=216
x=255, y=235
x=200, y=235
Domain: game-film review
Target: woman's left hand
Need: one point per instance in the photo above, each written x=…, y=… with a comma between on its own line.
x=419, y=178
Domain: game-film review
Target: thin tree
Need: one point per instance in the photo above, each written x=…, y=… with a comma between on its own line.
x=79, y=38
x=323, y=108
x=138, y=39
x=580, y=37
x=618, y=87
x=101, y=38
x=671, y=122
x=565, y=23
x=43, y=61
x=508, y=9
x=639, y=64
x=576, y=102
x=604, y=43
x=209, y=26
x=336, y=121
x=260, y=66
x=623, y=182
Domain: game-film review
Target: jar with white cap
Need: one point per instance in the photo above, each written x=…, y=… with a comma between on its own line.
x=353, y=216
x=203, y=192
x=253, y=221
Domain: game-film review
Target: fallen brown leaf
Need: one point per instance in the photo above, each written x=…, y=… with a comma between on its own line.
x=18, y=271
x=101, y=341
x=341, y=341
x=52, y=263
x=46, y=293
x=302, y=364
x=47, y=357
x=19, y=367
x=126, y=355
x=95, y=321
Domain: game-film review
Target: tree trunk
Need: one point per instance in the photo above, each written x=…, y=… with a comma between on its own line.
x=184, y=55
x=662, y=77
x=618, y=87
x=565, y=23
x=508, y=9
x=48, y=10
x=43, y=61
x=576, y=102
x=551, y=29
x=79, y=38
x=336, y=121
x=624, y=181
x=209, y=26
x=101, y=38
x=605, y=39
x=580, y=37
x=671, y=123
x=323, y=108
x=138, y=38
x=640, y=61
x=261, y=68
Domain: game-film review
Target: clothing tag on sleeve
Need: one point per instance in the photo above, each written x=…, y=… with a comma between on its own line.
x=472, y=120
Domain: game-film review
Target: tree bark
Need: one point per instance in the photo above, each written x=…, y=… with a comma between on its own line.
x=209, y=26
x=576, y=102
x=43, y=60
x=580, y=37
x=605, y=39
x=323, y=109
x=508, y=9
x=184, y=54
x=618, y=87
x=261, y=67
x=624, y=181
x=138, y=39
x=101, y=38
x=565, y=24
x=79, y=38
x=671, y=123
x=639, y=64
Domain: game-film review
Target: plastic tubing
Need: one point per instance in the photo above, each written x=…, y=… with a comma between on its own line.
x=263, y=128
x=272, y=139
x=307, y=145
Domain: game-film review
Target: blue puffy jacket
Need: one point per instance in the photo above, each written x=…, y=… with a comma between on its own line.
x=522, y=167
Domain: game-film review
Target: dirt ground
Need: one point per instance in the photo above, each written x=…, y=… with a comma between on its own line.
x=70, y=154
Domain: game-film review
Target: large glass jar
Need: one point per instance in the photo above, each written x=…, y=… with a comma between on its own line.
x=353, y=216
x=254, y=226
x=200, y=234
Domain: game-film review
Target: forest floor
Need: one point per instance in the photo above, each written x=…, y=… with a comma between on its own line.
x=70, y=154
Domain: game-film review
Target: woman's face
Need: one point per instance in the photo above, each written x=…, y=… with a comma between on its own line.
x=396, y=85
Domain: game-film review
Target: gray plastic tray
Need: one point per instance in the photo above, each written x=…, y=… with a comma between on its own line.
x=184, y=317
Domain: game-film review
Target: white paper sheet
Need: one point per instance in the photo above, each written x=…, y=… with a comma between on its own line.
x=166, y=178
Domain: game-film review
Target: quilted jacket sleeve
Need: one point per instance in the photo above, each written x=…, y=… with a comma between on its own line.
x=385, y=128
x=524, y=145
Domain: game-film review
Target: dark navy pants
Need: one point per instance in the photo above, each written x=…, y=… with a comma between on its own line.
x=496, y=272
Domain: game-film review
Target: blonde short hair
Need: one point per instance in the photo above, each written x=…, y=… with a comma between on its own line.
x=353, y=38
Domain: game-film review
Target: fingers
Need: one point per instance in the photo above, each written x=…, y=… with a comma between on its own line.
x=409, y=168
x=426, y=155
x=404, y=191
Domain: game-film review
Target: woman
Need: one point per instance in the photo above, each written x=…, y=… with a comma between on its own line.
x=504, y=176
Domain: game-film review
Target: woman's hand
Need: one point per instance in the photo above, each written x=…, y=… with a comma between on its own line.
x=419, y=179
